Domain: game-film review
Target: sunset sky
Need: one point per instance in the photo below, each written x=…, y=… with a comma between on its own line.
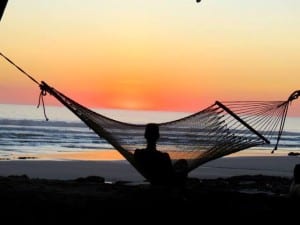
x=175, y=55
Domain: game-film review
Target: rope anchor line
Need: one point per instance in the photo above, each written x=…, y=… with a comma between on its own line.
x=42, y=93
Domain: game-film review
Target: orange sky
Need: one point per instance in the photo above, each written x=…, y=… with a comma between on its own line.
x=172, y=55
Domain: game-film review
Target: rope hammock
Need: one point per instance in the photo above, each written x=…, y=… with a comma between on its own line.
x=218, y=130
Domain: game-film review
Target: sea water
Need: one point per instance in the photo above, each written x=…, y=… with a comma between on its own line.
x=24, y=129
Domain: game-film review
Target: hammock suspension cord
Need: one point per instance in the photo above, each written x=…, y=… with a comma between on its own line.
x=42, y=93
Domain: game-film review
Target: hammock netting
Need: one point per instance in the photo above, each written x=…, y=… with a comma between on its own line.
x=216, y=131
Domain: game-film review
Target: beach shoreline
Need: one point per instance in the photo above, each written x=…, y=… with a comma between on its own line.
x=113, y=167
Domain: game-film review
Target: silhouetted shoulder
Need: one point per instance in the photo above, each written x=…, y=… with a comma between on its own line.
x=156, y=166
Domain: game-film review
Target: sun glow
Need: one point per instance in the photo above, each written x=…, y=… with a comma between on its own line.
x=157, y=55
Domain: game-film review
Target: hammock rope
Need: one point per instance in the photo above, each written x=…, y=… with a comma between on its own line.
x=41, y=100
x=42, y=93
x=218, y=130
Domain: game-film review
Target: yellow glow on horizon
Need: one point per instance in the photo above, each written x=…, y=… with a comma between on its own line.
x=162, y=55
x=103, y=155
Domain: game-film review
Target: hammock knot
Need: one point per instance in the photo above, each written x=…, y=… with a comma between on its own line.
x=41, y=98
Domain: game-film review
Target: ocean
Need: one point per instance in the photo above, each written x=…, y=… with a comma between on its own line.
x=23, y=129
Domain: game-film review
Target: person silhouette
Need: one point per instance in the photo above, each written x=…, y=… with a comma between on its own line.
x=154, y=165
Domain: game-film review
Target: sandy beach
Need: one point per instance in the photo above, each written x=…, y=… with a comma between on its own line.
x=85, y=188
x=110, y=165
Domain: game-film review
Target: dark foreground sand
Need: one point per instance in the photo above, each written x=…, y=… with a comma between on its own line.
x=91, y=200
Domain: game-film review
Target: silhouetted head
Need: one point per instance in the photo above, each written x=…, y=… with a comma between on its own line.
x=152, y=132
x=297, y=174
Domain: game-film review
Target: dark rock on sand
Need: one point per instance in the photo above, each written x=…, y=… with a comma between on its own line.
x=293, y=153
